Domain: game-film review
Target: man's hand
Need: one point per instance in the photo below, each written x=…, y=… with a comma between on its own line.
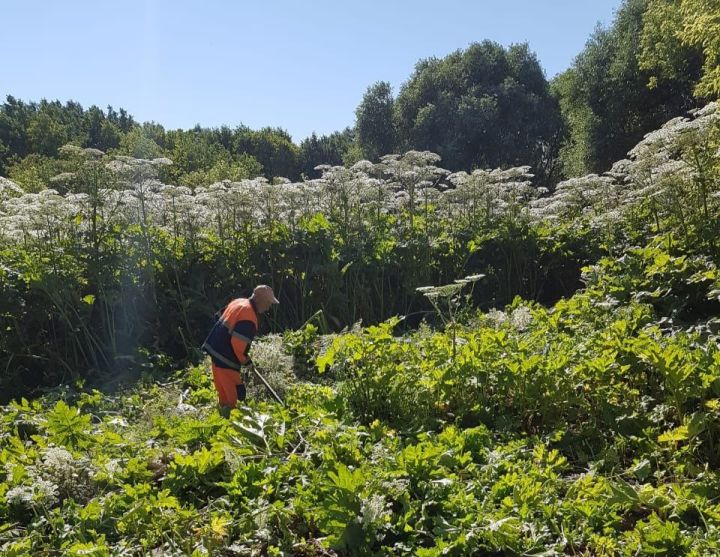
x=245, y=370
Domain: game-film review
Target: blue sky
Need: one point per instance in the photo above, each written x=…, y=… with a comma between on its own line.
x=300, y=65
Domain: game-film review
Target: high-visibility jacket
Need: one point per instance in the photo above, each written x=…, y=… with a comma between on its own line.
x=229, y=340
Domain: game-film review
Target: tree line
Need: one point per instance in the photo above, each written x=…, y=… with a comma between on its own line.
x=485, y=106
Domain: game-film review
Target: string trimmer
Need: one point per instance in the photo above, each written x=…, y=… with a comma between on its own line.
x=267, y=385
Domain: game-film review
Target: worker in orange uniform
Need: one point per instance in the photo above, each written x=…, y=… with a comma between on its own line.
x=229, y=342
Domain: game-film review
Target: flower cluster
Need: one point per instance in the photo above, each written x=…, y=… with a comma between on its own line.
x=664, y=174
x=57, y=476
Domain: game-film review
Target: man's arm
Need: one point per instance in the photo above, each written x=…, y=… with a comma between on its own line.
x=241, y=338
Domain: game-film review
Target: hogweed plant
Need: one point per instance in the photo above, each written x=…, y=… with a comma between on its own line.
x=111, y=241
x=681, y=156
x=446, y=300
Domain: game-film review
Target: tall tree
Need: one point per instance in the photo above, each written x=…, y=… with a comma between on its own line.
x=273, y=148
x=102, y=133
x=678, y=35
x=125, y=121
x=605, y=99
x=374, y=121
x=326, y=149
x=138, y=143
x=14, y=119
x=485, y=106
x=192, y=151
x=45, y=134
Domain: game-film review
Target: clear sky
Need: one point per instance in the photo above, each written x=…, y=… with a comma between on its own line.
x=300, y=65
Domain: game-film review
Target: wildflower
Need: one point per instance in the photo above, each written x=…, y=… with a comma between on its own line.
x=162, y=161
x=41, y=493
x=70, y=475
x=496, y=317
x=521, y=317
x=373, y=511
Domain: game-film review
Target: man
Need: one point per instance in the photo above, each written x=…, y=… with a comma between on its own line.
x=229, y=342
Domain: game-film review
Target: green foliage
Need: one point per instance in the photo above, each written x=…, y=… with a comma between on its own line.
x=46, y=135
x=369, y=365
x=42, y=128
x=678, y=287
x=484, y=107
x=121, y=268
x=327, y=149
x=196, y=476
x=273, y=149
x=136, y=143
x=679, y=33
x=68, y=427
x=586, y=426
x=192, y=151
x=514, y=370
x=31, y=135
x=259, y=434
x=599, y=433
x=374, y=121
x=35, y=172
x=224, y=169
x=302, y=345
x=340, y=507
x=604, y=98
x=102, y=133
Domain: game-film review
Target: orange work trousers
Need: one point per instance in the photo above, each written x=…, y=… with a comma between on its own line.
x=229, y=386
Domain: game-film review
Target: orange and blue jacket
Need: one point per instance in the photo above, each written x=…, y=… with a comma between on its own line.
x=229, y=340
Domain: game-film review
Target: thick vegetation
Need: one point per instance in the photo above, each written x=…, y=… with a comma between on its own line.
x=580, y=418
x=584, y=430
x=113, y=263
x=587, y=428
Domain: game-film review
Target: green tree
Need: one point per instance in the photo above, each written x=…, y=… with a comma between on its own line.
x=101, y=133
x=604, y=98
x=273, y=148
x=14, y=117
x=157, y=133
x=125, y=121
x=326, y=149
x=4, y=153
x=225, y=136
x=136, y=143
x=225, y=168
x=374, y=121
x=45, y=134
x=486, y=106
x=35, y=171
x=121, y=119
x=71, y=115
x=679, y=35
x=192, y=150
